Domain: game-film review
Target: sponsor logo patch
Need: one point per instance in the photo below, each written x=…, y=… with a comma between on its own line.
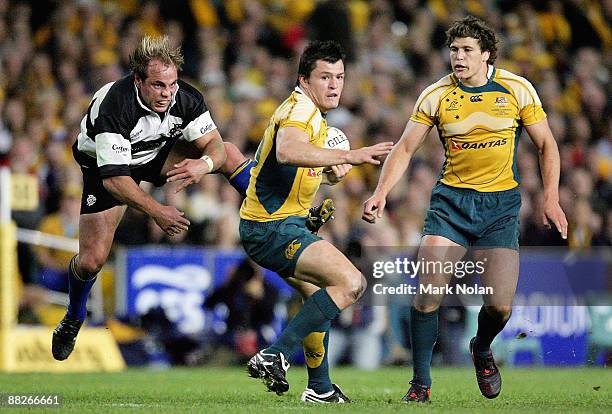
x=205, y=129
x=477, y=145
x=119, y=148
x=292, y=249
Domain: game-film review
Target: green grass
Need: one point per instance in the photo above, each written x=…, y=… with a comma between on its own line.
x=229, y=390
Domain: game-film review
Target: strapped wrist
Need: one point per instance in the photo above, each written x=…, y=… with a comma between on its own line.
x=208, y=162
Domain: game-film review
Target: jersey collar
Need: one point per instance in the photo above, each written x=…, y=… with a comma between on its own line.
x=477, y=89
x=300, y=91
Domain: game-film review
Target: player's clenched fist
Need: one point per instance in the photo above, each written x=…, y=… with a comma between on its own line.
x=373, y=208
x=171, y=220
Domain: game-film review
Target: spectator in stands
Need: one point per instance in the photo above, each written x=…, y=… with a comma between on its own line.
x=53, y=262
x=249, y=302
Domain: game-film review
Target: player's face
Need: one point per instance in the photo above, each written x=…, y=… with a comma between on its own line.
x=468, y=61
x=325, y=83
x=157, y=90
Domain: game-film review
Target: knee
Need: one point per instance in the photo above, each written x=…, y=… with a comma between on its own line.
x=427, y=302
x=355, y=287
x=90, y=265
x=500, y=312
x=426, y=306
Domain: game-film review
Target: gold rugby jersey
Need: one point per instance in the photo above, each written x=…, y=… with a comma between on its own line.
x=479, y=127
x=278, y=191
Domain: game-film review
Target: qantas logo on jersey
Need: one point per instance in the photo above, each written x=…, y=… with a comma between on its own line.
x=477, y=145
x=313, y=173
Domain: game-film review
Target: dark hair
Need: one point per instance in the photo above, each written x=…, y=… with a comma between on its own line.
x=471, y=26
x=327, y=50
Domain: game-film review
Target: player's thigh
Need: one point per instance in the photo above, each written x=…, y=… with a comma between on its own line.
x=276, y=245
x=501, y=270
x=96, y=233
x=435, y=254
x=305, y=289
x=323, y=265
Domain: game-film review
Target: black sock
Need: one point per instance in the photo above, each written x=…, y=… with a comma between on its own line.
x=488, y=328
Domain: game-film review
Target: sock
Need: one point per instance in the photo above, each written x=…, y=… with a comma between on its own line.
x=78, y=291
x=423, y=336
x=241, y=176
x=315, y=351
x=316, y=310
x=488, y=328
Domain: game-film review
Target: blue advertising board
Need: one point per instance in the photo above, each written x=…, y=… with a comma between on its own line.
x=178, y=280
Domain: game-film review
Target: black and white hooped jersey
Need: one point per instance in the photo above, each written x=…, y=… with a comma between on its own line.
x=120, y=133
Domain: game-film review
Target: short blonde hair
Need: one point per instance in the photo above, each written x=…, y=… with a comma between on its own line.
x=151, y=48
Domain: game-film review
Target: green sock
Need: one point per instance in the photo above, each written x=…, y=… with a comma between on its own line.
x=423, y=336
x=315, y=351
x=316, y=310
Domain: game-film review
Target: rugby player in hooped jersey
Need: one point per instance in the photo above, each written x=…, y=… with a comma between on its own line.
x=479, y=111
x=148, y=126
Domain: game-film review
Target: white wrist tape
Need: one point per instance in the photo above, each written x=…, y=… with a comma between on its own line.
x=209, y=162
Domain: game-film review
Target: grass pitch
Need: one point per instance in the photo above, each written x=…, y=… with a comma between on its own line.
x=229, y=390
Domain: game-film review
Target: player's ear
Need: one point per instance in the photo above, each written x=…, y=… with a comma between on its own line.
x=302, y=80
x=485, y=55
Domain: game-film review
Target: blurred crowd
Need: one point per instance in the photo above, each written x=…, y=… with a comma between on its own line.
x=243, y=55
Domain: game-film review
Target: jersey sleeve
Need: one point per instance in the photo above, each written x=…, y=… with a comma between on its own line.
x=529, y=104
x=425, y=108
x=301, y=116
x=194, y=111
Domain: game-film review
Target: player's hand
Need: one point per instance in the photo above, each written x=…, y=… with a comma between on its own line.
x=373, y=208
x=553, y=212
x=369, y=155
x=338, y=172
x=171, y=220
x=189, y=170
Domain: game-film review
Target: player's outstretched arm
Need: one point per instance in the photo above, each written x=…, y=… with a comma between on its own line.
x=396, y=164
x=191, y=171
x=550, y=165
x=293, y=148
x=125, y=189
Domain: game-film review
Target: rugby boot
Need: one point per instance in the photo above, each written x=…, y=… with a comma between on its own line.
x=417, y=393
x=64, y=337
x=487, y=374
x=334, y=396
x=319, y=215
x=271, y=369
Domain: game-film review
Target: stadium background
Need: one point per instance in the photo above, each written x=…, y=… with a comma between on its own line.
x=243, y=56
